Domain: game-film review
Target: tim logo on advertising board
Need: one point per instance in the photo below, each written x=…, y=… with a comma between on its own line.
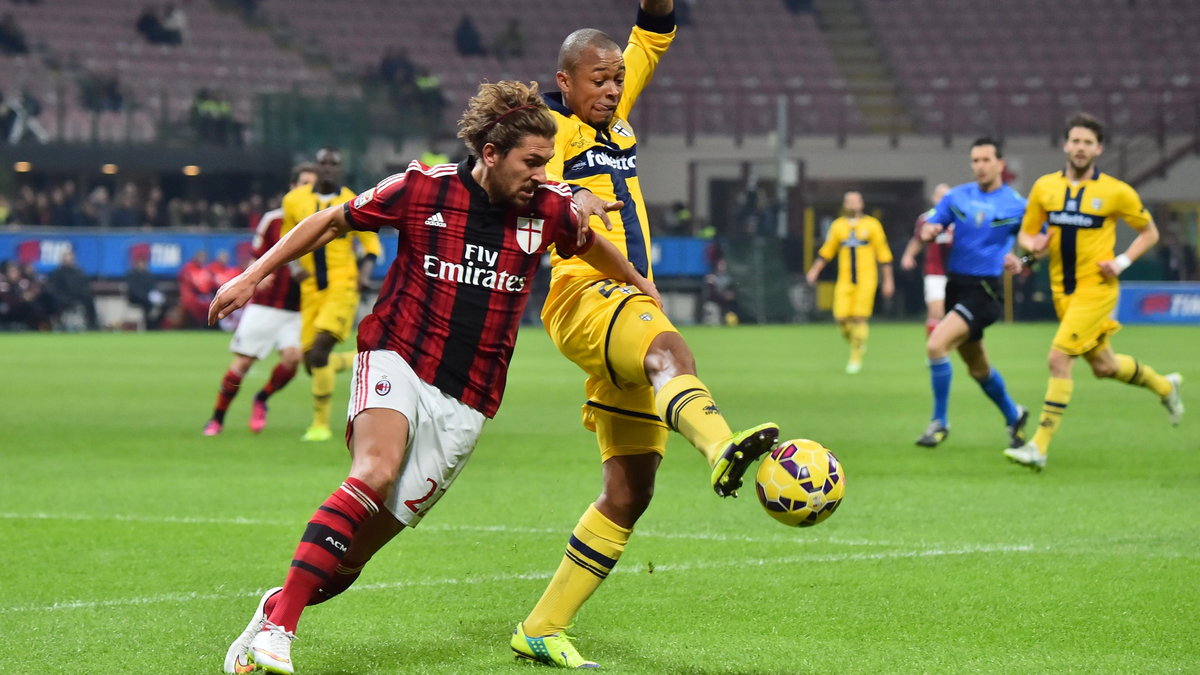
x=1177, y=303
x=42, y=253
x=159, y=256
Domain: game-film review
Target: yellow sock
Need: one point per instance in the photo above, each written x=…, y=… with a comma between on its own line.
x=847, y=329
x=341, y=360
x=1058, y=395
x=858, y=341
x=686, y=406
x=322, y=393
x=594, y=548
x=1142, y=375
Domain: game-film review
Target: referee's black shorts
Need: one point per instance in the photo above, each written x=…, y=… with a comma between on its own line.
x=978, y=300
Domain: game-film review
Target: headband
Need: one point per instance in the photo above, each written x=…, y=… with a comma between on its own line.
x=496, y=121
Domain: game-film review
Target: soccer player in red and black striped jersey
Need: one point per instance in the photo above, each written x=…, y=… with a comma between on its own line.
x=934, y=269
x=434, y=353
x=271, y=322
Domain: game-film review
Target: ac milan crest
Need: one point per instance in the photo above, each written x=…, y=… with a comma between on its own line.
x=529, y=234
x=382, y=387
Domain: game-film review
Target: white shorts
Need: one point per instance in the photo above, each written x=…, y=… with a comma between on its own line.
x=442, y=431
x=263, y=329
x=935, y=287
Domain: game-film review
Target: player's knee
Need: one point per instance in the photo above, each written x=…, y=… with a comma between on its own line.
x=669, y=356
x=316, y=358
x=630, y=501
x=1103, y=369
x=378, y=476
x=934, y=349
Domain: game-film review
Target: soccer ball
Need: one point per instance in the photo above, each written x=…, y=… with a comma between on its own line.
x=800, y=483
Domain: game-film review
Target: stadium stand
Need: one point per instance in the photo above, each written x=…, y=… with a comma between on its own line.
x=710, y=84
x=73, y=40
x=968, y=65
x=960, y=65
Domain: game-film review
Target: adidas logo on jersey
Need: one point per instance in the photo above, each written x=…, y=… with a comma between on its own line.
x=436, y=220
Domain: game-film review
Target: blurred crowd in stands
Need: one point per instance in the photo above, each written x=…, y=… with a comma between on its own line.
x=66, y=298
x=62, y=204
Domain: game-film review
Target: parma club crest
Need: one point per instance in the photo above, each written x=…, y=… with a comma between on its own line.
x=529, y=234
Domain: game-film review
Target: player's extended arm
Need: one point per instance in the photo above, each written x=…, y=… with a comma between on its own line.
x=815, y=271
x=908, y=259
x=889, y=282
x=312, y=233
x=607, y=260
x=1140, y=244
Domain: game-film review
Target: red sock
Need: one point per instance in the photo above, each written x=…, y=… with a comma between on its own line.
x=279, y=377
x=229, y=388
x=343, y=577
x=324, y=544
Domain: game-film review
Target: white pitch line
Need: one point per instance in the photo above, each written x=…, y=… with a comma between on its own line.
x=526, y=576
x=650, y=533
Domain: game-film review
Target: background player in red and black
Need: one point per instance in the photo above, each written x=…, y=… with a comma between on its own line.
x=433, y=355
x=271, y=322
x=934, y=267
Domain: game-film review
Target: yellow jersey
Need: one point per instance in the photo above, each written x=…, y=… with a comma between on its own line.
x=860, y=245
x=336, y=263
x=1082, y=220
x=605, y=160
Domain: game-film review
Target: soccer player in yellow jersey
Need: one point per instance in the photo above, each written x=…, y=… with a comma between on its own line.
x=1081, y=206
x=641, y=374
x=331, y=279
x=859, y=242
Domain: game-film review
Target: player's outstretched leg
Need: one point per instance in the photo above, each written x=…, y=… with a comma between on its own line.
x=237, y=658
x=685, y=405
x=1129, y=370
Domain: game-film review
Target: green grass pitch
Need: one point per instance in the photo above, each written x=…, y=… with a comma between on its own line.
x=132, y=543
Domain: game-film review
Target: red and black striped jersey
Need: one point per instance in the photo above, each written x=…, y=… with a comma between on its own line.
x=278, y=290
x=455, y=293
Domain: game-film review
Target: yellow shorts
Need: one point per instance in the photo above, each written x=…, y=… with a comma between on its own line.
x=606, y=328
x=329, y=311
x=851, y=300
x=1085, y=319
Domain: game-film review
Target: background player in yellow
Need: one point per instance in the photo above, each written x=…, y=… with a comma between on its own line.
x=331, y=280
x=641, y=374
x=859, y=242
x=1080, y=207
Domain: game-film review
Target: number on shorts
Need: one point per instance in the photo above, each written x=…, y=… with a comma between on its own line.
x=608, y=287
x=414, y=505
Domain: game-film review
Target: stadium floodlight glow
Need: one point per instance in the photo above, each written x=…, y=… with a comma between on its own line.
x=191, y=170
x=108, y=169
x=22, y=167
